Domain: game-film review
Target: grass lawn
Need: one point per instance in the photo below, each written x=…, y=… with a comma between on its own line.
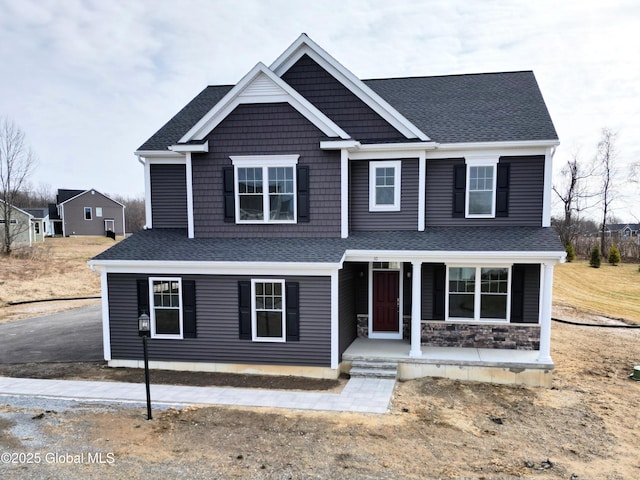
x=610, y=291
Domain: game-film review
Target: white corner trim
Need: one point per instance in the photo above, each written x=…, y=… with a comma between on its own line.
x=548, y=186
x=189, y=175
x=305, y=46
x=335, y=312
x=422, y=181
x=106, y=334
x=147, y=196
x=279, y=91
x=344, y=193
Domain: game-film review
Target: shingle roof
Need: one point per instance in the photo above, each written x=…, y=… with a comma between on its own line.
x=186, y=118
x=484, y=107
x=174, y=245
x=449, y=109
x=64, y=195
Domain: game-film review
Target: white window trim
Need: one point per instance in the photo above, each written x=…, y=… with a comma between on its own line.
x=397, y=181
x=265, y=162
x=477, y=295
x=481, y=162
x=152, y=307
x=254, y=316
x=84, y=213
x=98, y=212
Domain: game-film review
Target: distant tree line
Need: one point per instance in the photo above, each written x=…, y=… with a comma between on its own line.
x=592, y=187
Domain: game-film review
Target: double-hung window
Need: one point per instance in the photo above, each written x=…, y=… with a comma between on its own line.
x=268, y=310
x=166, y=309
x=265, y=188
x=481, y=187
x=478, y=293
x=88, y=213
x=384, y=186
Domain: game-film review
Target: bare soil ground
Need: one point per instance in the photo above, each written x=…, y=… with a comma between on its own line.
x=585, y=427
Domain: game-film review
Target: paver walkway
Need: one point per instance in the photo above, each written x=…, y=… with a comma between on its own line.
x=366, y=395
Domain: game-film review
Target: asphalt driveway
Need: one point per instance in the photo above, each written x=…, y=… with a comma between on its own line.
x=71, y=336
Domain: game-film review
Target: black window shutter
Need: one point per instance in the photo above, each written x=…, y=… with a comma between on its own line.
x=439, y=279
x=502, y=190
x=229, y=195
x=303, y=193
x=517, y=293
x=293, y=311
x=143, y=296
x=459, y=187
x=244, y=309
x=189, y=308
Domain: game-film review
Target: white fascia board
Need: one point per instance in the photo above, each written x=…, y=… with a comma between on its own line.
x=216, y=268
x=375, y=151
x=450, y=150
x=143, y=155
x=95, y=191
x=453, y=257
x=191, y=148
x=174, y=159
x=304, y=45
x=234, y=98
x=339, y=144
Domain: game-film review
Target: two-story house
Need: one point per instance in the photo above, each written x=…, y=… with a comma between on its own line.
x=303, y=219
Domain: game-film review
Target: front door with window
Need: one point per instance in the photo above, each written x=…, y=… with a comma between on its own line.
x=386, y=305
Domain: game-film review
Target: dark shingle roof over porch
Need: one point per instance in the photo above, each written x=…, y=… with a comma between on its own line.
x=173, y=245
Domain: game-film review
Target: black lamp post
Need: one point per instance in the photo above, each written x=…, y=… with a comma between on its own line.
x=144, y=330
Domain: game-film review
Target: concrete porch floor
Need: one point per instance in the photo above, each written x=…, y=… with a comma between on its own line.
x=481, y=364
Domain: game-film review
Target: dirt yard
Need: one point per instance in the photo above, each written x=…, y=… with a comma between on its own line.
x=585, y=427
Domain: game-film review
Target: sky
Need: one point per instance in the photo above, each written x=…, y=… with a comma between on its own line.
x=89, y=81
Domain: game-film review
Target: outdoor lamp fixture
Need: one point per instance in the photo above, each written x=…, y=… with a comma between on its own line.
x=144, y=330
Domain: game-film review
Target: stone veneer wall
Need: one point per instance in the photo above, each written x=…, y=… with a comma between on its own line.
x=507, y=336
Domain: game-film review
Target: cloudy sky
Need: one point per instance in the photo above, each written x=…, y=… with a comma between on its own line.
x=89, y=81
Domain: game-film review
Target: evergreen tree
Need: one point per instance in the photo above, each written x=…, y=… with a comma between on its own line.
x=595, y=257
x=571, y=252
x=614, y=255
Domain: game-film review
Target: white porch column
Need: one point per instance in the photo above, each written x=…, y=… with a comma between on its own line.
x=416, y=309
x=546, y=295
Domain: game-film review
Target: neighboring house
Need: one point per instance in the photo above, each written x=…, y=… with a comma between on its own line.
x=304, y=220
x=622, y=231
x=20, y=225
x=87, y=212
x=39, y=223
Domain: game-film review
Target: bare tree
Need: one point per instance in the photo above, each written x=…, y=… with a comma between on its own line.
x=134, y=215
x=16, y=164
x=573, y=192
x=607, y=168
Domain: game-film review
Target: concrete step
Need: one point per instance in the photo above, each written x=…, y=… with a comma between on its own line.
x=373, y=369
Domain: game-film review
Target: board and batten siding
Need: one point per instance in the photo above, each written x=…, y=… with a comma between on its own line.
x=168, y=196
x=266, y=129
x=337, y=102
x=526, y=188
x=361, y=219
x=217, y=325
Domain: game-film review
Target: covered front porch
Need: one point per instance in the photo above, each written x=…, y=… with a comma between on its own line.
x=504, y=366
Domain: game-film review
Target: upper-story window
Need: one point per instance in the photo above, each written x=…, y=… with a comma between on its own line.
x=88, y=213
x=481, y=188
x=384, y=186
x=265, y=188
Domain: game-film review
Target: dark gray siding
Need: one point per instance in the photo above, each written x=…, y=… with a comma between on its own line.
x=217, y=325
x=347, y=306
x=526, y=188
x=531, y=300
x=428, y=273
x=361, y=219
x=266, y=129
x=169, y=196
x=337, y=102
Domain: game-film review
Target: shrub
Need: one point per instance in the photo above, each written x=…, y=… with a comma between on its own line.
x=614, y=255
x=595, y=257
x=571, y=252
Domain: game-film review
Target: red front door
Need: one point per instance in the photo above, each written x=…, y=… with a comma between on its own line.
x=386, y=301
